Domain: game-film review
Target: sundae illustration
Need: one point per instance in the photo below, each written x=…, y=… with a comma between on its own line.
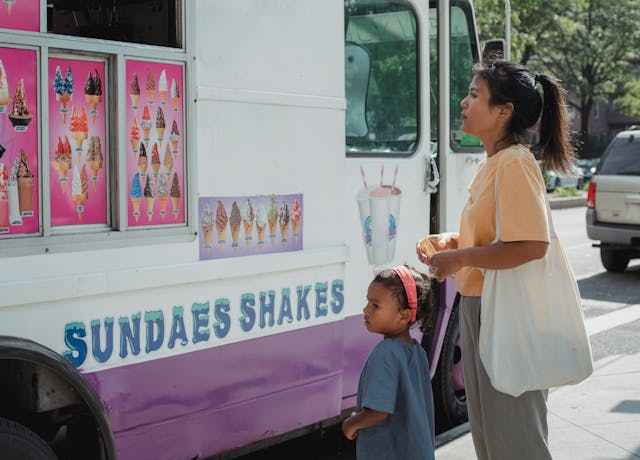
x=150, y=88
x=136, y=195
x=63, y=87
x=296, y=217
x=155, y=160
x=175, y=196
x=162, y=196
x=234, y=221
x=379, y=208
x=15, y=217
x=80, y=189
x=143, y=161
x=272, y=217
x=160, y=124
x=134, y=92
x=284, y=219
x=62, y=159
x=4, y=199
x=221, y=223
x=163, y=87
x=95, y=159
x=134, y=136
x=261, y=222
x=174, y=137
x=25, y=186
x=148, y=197
x=20, y=116
x=146, y=124
x=208, y=222
x=175, y=95
x=248, y=218
x=4, y=88
x=93, y=93
x=79, y=126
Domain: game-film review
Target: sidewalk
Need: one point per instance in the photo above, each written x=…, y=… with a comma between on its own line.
x=596, y=420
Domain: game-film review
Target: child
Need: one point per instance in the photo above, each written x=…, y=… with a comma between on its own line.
x=395, y=416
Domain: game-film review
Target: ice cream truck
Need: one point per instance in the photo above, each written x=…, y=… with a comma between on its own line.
x=194, y=196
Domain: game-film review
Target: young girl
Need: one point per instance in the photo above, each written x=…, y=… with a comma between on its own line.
x=395, y=416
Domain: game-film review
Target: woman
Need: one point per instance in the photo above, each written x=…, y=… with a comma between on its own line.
x=503, y=102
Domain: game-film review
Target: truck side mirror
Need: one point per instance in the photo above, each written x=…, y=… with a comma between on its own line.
x=493, y=50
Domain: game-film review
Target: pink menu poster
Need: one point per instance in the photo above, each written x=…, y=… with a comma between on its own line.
x=20, y=15
x=19, y=194
x=155, y=144
x=77, y=142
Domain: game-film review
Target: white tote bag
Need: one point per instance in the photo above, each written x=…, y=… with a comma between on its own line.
x=532, y=331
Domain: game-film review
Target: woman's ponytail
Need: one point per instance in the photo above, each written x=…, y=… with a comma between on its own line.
x=553, y=146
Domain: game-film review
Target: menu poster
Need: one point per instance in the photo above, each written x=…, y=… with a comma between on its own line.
x=77, y=142
x=155, y=144
x=19, y=203
x=20, y=15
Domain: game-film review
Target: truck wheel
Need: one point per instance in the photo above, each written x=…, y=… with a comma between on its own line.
x=614, y=260
x=448, y=383
x=17, y=442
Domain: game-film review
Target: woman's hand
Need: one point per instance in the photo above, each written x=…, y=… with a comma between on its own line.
x=445, y=263
x=349, y=429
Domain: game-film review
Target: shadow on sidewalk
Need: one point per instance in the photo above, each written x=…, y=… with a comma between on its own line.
x=612, y=287
x=628, y=407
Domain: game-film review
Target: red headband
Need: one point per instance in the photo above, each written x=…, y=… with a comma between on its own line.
x=409, y=288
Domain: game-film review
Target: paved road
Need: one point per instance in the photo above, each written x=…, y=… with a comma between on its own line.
x=611, y=305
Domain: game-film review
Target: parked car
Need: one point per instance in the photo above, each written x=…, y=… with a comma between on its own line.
x=574, y=178
x=588, y=167
x=613, y=202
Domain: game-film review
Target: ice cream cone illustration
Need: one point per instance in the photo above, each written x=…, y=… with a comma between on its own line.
x=175, y=137
x=163, y=87
x=146, y=124
x=175, y=95
x=63, y=88
x=4, y=199
x=134, y=136
x=248, y=218
x=62, y=160
x=9, y=4
x=283, y=220
x=261, y=222
x=175, y=196
x=221, y=223
x=80, y=190
x=95, y=159
x=155, y=160
x=134, y=92
x=20, y=116
x=207, y=222
x=135, y=194
x=160, y=124
x=234, y=221
x=25, y=186
x=143, y=161
x=149, y=199
x=162, y=196
x=15, y=217
x=79, y=127
x=150, y=88
x=93, y=93
x=167, y=162
x=4, y=88
x=296, y=217
x=272, y=217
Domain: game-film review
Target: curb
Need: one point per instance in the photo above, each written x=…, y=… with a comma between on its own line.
x=451, y=435
x=564, y=203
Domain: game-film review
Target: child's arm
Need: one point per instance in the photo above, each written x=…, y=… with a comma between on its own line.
x=365, y=418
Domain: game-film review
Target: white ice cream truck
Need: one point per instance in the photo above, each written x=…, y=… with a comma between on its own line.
x=194, y=196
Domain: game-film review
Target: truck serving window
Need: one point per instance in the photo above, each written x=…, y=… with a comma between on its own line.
x=381, y=55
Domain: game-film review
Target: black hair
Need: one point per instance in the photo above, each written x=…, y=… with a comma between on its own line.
x=514, y=84
x=390, y=280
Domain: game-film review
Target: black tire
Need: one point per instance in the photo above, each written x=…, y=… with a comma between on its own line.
x=614, y=260
x=450, y=405
x=18, y=442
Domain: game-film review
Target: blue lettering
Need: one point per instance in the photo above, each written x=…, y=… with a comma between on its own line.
x=178, y=330
x=127, y=335
x=322, y=309
x=100, y=355
x=200, y=322
x=337, y=292
x=303, y=292
x=77, y=352
x=267, y=308
x=285, y=307
x=154, y=320
x=223, y=320
x=247, y=312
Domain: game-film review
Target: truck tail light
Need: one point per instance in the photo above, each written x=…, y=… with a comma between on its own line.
x=591, y=195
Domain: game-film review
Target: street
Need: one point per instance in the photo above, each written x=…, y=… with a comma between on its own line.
x=612, y=310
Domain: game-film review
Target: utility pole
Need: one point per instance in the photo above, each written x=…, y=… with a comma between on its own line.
x=507, y=30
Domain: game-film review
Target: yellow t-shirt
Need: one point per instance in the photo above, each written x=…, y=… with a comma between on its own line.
x=523, y=212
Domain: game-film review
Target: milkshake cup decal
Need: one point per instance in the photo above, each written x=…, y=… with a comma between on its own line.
x=4, y=200
x=248, y=218
x=234, y=221
x=15, y=217
x=208, y=224
x=261, y=222
x=221, y=223
x=4, y=88
x=25, y=186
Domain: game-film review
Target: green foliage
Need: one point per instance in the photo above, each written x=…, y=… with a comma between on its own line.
x=629, y=102
x=566, y=192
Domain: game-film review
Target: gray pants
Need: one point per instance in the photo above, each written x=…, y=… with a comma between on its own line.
x=503, y=427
